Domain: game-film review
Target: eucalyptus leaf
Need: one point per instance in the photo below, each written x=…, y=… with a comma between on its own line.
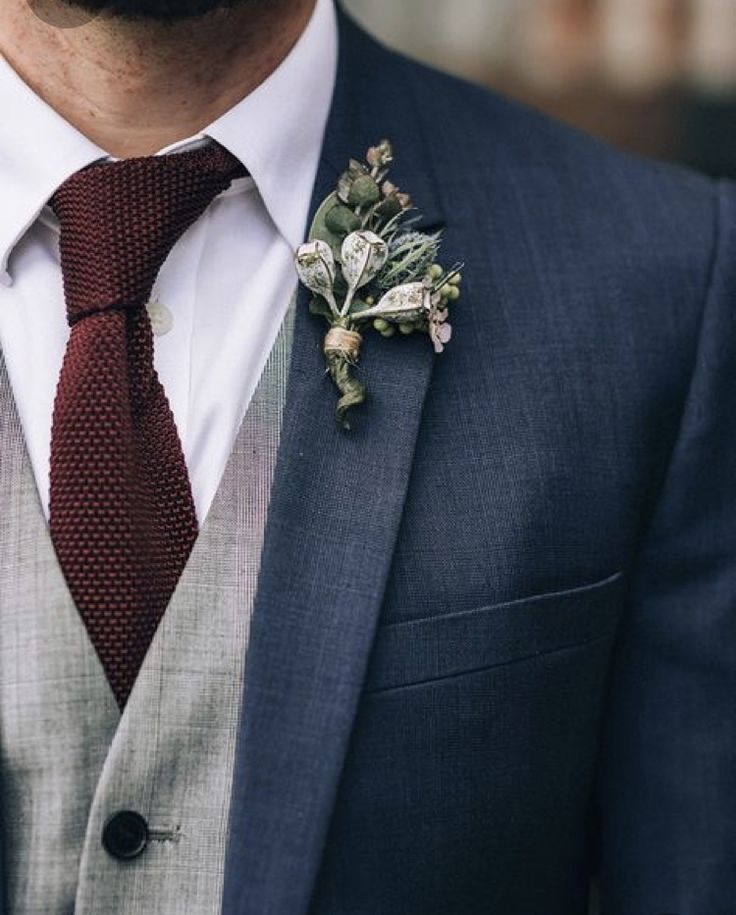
x=320, y=231
x=341, y=220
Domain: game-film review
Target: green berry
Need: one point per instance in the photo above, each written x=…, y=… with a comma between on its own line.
x=457, y=279
x=406, y=328
x=389, y=332
x=454, y=294
x=435, y=272
x=381, y=325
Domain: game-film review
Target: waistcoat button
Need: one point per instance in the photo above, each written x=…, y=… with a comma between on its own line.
x=125, y=835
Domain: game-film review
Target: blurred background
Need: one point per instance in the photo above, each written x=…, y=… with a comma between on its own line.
x=653, y=76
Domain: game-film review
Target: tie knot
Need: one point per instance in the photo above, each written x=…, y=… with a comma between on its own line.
x=120, y=220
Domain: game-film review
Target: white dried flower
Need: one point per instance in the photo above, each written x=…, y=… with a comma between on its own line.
x=315, y=264
x=406, y=299
x=363, y=256
x=415, y=304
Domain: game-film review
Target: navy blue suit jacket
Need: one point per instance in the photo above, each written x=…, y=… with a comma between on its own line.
x=493, y=654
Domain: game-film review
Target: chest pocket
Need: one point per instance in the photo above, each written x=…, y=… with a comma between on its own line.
x=418, y=651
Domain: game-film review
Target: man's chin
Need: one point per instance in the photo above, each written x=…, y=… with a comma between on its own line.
x=153, y=10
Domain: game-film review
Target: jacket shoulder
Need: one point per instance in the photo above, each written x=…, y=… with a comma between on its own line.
x=562, y=223
x=475, y=122
x=472, y=130
x=578, y=197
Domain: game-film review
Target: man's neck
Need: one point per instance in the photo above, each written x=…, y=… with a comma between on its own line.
x=134, y=87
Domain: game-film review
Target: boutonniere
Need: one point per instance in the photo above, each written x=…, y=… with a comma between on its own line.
x=369, y=269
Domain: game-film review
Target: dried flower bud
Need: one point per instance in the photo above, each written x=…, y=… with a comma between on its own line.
x=394, y=202
x=381, y=155
x=315, y=265
x=363, y=256
x=407, y=299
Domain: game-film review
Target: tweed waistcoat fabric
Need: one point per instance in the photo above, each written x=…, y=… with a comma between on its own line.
x=122, y=515
x=68, y=758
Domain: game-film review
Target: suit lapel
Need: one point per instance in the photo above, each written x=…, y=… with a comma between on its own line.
x=335, y=509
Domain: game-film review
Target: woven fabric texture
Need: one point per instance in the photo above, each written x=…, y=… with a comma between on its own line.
x=122, y=517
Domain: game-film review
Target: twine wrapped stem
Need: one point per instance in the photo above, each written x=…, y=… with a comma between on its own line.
x=342, y=352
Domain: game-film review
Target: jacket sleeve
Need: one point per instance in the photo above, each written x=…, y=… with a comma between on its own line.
x=666, y=797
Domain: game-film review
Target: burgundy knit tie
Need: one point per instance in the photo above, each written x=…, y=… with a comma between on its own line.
x=122, y=516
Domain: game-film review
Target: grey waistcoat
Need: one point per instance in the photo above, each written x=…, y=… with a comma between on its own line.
x=68, y=759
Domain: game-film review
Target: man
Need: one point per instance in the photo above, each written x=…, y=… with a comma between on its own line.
x=492, y=656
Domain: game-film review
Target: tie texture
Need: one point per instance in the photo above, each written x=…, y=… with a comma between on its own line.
x=122, y=516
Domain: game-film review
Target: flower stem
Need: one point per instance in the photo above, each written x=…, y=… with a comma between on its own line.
x=330, y=299
x=348, y=301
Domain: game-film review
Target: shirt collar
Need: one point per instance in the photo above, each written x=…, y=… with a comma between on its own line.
x=276, y=132
x=38, y=151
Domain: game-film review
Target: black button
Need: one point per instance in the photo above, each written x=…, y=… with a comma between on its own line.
x=125, y=834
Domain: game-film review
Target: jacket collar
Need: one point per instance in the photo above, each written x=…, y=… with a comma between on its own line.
x=336, y=505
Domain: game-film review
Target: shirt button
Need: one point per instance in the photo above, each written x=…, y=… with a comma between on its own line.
x=161, y=317
x=125, y=835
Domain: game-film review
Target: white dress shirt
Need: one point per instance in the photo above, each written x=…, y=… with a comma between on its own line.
x=220, y=297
